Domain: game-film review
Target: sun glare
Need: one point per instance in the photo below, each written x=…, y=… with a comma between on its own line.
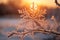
x=30, y=1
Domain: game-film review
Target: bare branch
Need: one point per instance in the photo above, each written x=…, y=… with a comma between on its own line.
x=57, y=3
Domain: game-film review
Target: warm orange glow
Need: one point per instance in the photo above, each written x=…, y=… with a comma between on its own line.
x=35, y=6
x=48, y=3
x=4, y=1
x=31, y=6
x=30, y=1
x=32, y=9
x=20, y=3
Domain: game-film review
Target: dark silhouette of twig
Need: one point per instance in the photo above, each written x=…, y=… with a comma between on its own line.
x=57, y=2
x=11, y=34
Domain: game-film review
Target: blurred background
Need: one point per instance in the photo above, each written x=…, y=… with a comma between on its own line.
x=9, y=15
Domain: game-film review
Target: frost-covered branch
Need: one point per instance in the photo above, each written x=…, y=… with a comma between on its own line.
x=33, y=31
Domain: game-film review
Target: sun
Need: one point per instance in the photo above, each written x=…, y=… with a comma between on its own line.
x=30, y=1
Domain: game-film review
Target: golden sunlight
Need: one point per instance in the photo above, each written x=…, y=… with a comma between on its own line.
x=30, y=1
x=32, y=7
x=49, y=3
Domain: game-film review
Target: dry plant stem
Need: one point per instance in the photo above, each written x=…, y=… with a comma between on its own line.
x=39, y=30
x=56, y=1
